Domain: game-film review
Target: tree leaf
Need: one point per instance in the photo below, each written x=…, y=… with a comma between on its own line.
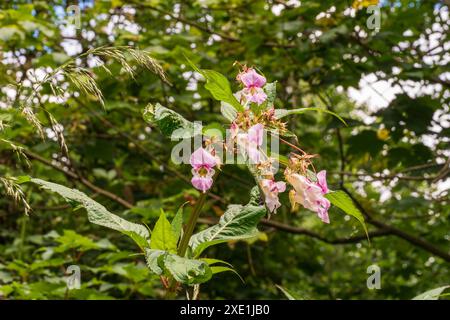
x=97, y=213
x=341, y=200
x=187, y=271
x=163, y=237
x=170, y=123
x=433, y=294
x=281, y=113
x=238, y=222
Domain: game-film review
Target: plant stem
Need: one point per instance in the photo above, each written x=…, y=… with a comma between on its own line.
x=171, y=292
x=191, y=225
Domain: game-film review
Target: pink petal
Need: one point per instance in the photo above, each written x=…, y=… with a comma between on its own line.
x=323, y=214
x=252, y=79
x=253, y=154
x=255, y=134
x=256, y=95
x=202, y=183
x=280, y=186
x=202, y=158
x=322, y=181
x=272, y=203
x=271, y=189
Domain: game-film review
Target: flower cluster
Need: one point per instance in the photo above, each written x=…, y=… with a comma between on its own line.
x=247, y=135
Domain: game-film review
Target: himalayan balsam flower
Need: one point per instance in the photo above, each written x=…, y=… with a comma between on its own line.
x=271, y=190
x=202, y=163
x=250, y=141
x=310, y=194
x=253, y=83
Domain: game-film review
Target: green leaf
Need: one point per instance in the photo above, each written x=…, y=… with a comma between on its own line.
x=97, y=213
x=238, y=222
x=281, y=113
x=341, y=200
x=170, y=123
x=290, y=295
x=177, y=223
x=228, y=111
x=433, y=294
x=154, y=259
x=22, y=179
x=211, y=261
x=220, y=269
x=271, y=91
x=187, y=271
x=163, y=237
x=219, y=87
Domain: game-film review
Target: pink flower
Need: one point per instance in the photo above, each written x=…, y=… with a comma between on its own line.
x=251, y=79
x=250, y=141
x=253, y=83
x=202, y=163
x=310, y=194
x=256, y=95
x=271, y=190
x=322, y=181
x=202, y=159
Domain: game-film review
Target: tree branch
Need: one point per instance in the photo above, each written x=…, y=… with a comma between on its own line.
x=416, y=241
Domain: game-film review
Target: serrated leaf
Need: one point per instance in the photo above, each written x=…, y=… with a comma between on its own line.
x=281, y=113
x=163, y=237
x=187, y=271
x=170, y=123
x=97, y=213
x=153, y=260
x=341, y=200
x=238, y=222
x=433, y=294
